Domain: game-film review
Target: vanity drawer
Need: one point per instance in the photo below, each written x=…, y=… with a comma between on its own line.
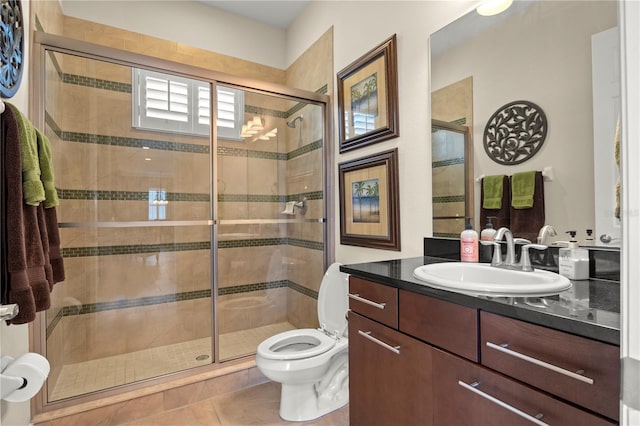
x=376, y=301
x=443, y=324
x=469, y=394
x=577, y=369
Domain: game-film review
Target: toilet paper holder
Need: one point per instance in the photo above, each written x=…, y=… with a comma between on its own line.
x=8, y=312
x=9, y=384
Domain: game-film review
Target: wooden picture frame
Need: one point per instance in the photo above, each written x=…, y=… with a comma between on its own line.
x=368, y=98
x=369, y=201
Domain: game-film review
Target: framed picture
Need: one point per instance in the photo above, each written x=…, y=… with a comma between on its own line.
x=369, y=202
x=368, y=98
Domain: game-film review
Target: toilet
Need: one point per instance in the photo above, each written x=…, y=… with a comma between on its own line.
x=312, y=364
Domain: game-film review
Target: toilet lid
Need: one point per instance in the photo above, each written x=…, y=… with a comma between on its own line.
x=333, y=301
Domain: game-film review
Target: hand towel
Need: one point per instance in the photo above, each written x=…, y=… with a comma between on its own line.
x=32, y=187
x=502, y=214
x=523, y=186
x=27, y=284
x=492, y=192
x=46, y=169
x=526, y=223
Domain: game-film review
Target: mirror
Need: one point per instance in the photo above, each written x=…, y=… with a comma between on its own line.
x=561, y=56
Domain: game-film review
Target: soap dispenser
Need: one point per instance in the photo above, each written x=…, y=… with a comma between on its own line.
x=468, y=243
x=589, y=240
x=573, y=260
x=488, y=232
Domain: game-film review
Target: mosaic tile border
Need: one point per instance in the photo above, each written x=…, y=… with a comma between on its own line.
x=305, y=149
x=246, y=288
x=70, y=252
x=100, y=195
x=91, y=308
x=96, y=83
x=449, y=162
x=449, y=199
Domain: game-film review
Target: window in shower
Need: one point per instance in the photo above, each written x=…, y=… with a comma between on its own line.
x=169, y=103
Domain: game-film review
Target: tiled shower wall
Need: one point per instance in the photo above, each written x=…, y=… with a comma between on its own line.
x=267, y=273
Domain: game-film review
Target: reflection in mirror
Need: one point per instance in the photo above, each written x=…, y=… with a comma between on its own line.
x=449, y=145
x=562, y=56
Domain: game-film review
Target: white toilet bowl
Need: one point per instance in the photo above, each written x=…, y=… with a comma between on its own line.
x=312, y=364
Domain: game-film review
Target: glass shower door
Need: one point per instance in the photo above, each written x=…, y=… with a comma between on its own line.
x=270, y=231
x=132, y=159
x=450, y=178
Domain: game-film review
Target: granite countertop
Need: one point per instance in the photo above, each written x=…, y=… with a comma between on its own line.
x=591, y=308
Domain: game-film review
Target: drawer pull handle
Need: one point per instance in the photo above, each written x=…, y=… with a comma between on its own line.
x=367, y=334
x=367, y=301
x=504, y=349
x=473, y=388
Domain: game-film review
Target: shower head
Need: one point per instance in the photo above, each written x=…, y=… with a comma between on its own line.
x=292, y=123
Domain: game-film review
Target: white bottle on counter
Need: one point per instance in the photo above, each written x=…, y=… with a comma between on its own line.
x=573, y=260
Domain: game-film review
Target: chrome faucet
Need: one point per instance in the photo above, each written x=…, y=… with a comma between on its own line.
x=505, y=233
x=544, y=234
x=510, y=259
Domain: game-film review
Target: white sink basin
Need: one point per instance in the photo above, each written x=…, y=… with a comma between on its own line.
x=487, y=280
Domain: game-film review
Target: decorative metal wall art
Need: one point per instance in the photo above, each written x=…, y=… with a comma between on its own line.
x=515, y=132
x=12, y=49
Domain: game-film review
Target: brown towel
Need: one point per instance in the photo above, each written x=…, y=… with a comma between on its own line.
x=502, y=214
x=55, y=252
x=526, y=223
x=28, y=285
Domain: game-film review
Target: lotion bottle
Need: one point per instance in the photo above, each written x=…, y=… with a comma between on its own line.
x=573, y=260
x=468, y=243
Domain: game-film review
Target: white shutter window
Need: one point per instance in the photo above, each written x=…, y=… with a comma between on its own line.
x=168, y=103
x=230, y=112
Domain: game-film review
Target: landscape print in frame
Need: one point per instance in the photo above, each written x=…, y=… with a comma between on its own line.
x=369, y=204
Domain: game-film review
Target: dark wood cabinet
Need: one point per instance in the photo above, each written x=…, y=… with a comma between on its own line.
x=389, y=385
x=419, y=360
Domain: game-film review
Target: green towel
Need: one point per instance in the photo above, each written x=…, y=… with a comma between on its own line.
x=32, y=188
x=492, y=191
x=523, y=186
x=46, y=167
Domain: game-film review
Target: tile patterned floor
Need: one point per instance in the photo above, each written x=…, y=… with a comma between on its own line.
x=90, y=376
x=258, y=405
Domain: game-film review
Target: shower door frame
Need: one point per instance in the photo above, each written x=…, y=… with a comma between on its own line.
x=44, y=42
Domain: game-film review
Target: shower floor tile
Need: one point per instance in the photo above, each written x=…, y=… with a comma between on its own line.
x=90, y=376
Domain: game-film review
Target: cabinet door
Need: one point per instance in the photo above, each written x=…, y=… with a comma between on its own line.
x=468, y=394
x=389, y=376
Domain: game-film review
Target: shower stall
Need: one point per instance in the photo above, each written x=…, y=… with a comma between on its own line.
x=174, y=183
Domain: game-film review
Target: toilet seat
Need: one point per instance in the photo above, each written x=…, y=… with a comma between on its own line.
x=333, y=303
x=296, y=344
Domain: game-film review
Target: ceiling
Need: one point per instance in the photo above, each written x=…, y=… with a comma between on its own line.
x=277, y=14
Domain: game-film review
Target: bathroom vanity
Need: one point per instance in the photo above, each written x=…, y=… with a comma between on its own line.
x=419, y=355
